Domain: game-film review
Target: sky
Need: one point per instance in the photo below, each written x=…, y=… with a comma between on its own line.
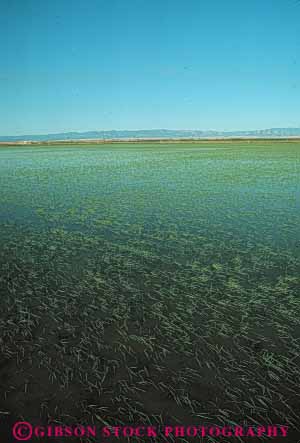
x=74, y=65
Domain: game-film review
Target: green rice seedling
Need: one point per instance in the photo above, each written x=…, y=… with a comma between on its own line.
x=158, y=279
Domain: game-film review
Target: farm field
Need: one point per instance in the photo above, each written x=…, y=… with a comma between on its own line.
x=155, y=284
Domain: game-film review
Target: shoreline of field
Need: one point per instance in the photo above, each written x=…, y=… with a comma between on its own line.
x=150, y=140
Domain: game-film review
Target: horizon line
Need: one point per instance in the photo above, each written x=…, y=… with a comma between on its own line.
x=152, y=129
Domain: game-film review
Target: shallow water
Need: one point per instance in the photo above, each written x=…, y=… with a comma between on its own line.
x=125, y=268
x=247, y=190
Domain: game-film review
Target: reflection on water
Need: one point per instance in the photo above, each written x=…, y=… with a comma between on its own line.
x=243, y=190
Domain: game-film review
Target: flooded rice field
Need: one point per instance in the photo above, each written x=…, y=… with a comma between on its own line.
x=151, y=284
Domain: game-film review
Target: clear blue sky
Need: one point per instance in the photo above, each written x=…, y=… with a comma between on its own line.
x=179, y=64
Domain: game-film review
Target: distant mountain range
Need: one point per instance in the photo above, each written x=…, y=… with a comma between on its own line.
x=152, y=134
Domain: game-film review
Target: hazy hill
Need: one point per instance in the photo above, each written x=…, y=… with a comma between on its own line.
x=153, y=133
